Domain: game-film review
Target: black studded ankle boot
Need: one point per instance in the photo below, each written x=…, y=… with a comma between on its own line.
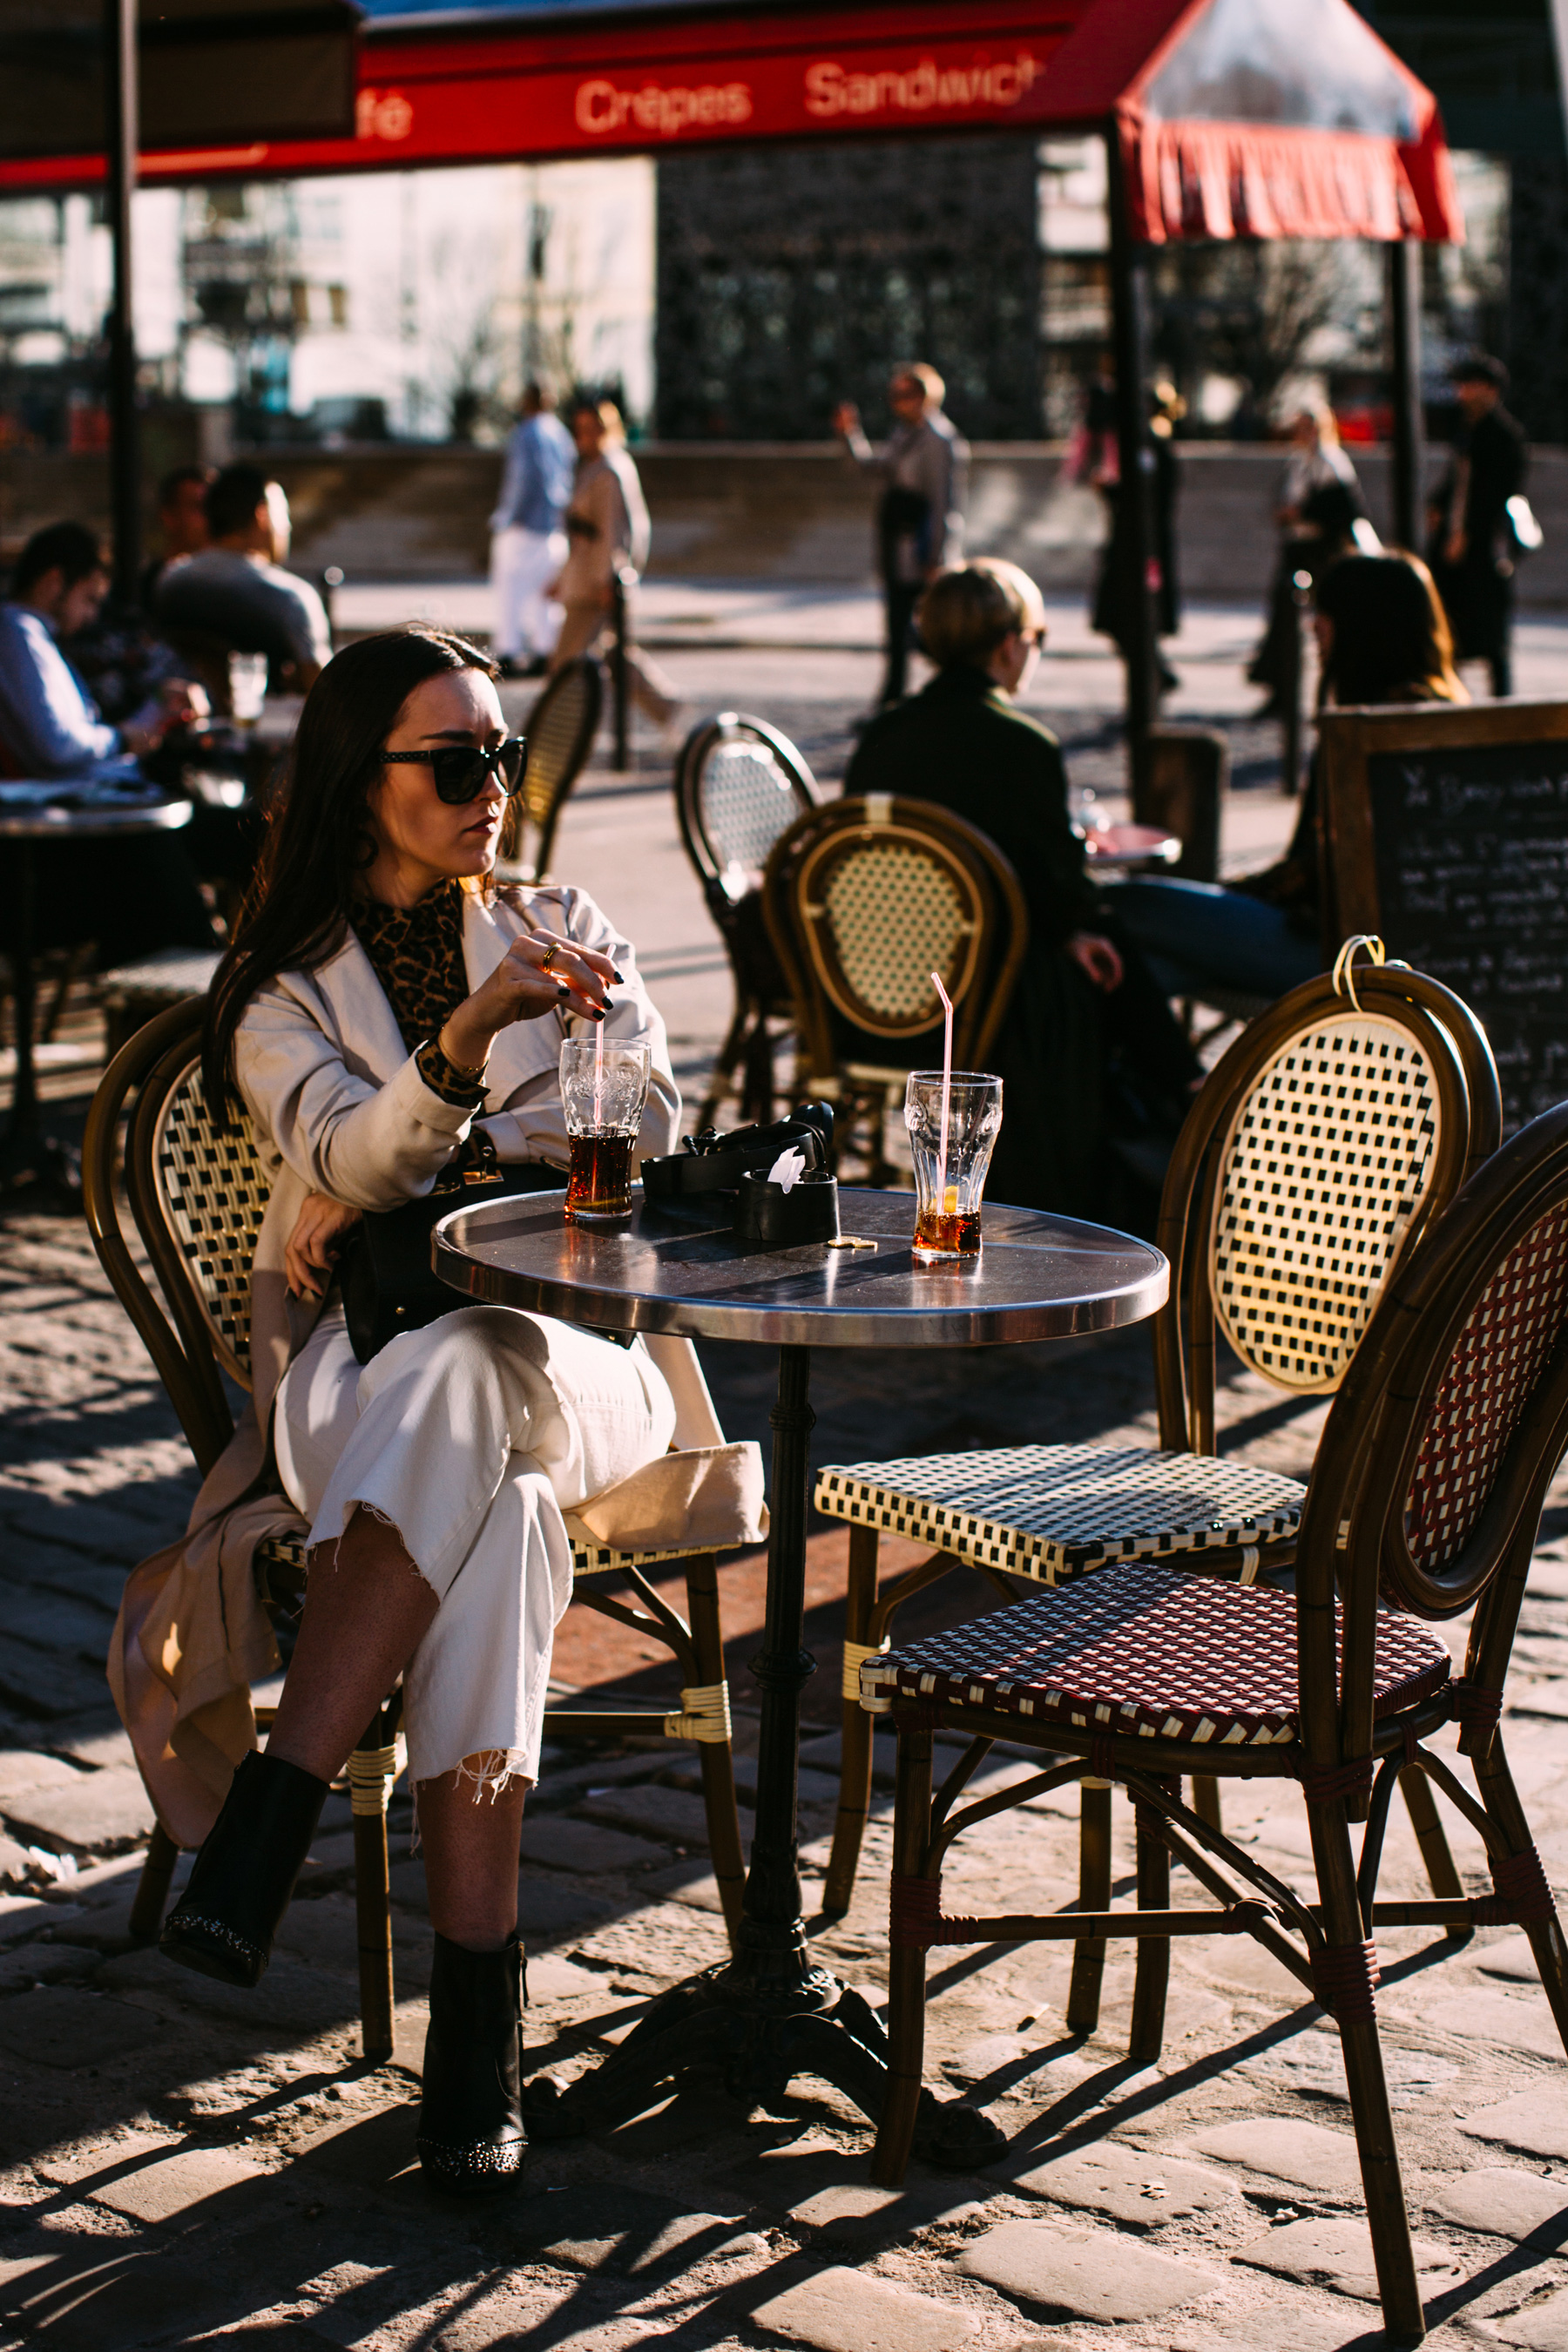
x=471, y=2137
x=224, y=1923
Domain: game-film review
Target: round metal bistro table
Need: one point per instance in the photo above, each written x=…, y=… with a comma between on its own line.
x=31, y=812
x=769, y=2012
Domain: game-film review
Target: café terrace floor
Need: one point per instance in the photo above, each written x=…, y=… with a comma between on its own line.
x=183, y=2163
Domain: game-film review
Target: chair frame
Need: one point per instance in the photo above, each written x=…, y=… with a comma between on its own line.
x=1353, y=1543
x=979, y=1006
x=545, y=817
x=181, y=1341
x=1184, y=1371
x=761, y=996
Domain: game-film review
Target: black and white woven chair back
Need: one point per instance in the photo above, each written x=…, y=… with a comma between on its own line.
x=1322, y=1173
x=560, y=731
x=744, y=784
x=882, y=903
x=212, y=1191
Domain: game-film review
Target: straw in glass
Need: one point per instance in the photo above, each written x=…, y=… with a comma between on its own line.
x=946, y=1094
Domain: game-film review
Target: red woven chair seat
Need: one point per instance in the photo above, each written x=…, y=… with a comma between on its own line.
x=1148, y=1650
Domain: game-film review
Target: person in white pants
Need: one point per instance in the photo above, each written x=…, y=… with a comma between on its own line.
x=528, y=542
x=389, y=1019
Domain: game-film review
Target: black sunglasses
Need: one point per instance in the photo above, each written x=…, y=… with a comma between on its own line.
x=461, y=773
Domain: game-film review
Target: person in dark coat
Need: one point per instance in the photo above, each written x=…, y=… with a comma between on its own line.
x=1097, y=1072
x=1472, y=540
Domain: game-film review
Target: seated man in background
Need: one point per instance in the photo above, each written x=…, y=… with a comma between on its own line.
x=236, y=590
x=182, y=523
x=130, y=894
x=49, y=725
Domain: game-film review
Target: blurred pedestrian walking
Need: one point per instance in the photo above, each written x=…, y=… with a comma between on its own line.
x=608, y=535
x=1479, y=521
x=1095, y=457
x=528, y=534
x=1311, y=517
x=923, y=466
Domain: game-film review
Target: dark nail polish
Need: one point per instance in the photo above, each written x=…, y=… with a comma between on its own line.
x=616, y=977
x=598, y=1011
x=562, y=991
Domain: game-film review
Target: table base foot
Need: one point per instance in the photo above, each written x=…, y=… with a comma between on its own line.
x=754, y=2045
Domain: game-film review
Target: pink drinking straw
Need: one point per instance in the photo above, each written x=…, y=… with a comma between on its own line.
x=598, y=1074
x=946, y=1093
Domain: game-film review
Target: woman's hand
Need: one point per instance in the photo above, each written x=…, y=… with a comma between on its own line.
x=1096, y=956
x=313, y=1246
x=521, y=989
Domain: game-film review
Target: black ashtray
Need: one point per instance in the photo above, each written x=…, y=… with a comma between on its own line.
x=766, y=1213
x=709, y=1163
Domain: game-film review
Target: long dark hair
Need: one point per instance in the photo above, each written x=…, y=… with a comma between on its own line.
x=319, y=840
x=1391, y=642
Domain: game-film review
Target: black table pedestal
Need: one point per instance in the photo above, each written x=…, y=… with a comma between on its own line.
x=769, y=2013
x=27, y=1156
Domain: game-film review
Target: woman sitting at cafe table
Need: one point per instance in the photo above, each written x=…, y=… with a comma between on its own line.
x=388, y=1015
x=1097, y=1072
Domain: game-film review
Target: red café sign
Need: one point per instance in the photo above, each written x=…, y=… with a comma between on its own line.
x=426, y=100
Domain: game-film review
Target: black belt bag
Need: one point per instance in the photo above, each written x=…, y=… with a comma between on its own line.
x=385, y=1272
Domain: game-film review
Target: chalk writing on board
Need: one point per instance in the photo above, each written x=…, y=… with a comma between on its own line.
x=1472, y=881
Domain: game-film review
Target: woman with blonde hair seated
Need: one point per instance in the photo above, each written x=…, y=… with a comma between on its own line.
x=1090, y=1046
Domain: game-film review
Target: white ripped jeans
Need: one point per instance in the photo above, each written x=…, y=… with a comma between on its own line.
x=471, y=1437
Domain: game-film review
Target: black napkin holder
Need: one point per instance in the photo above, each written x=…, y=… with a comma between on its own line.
x=771, y=1218
x=708, y=1162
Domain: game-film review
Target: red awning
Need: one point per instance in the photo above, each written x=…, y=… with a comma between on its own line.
x=513, y=91
x=1260, y=118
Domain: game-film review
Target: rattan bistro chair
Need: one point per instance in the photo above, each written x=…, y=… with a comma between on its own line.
x=739, y=784
x=864, y=900
x=559, y=731
x=1425, y=1501
x=197, y=1194
x=1323, y=1142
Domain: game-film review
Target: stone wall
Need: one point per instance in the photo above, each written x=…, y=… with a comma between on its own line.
x=789, y=512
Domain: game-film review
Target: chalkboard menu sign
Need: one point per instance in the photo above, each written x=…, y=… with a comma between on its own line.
x=1446, y=832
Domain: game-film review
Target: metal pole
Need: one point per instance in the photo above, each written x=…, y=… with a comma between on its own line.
x=120, y=129
x=618, y=662
x=1134, y=517
x=1404, y=310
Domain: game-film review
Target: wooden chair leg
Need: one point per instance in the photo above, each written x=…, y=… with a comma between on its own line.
x=855, y=1752
x=717, y=1756
x=372, y=1768
x=1501, y=1799
x=1431, y=1837
x=1094, y=1894
x=152, y=1886
x=1153, y=1974
x=1392, y=2255
x=906, y=1967
x=1205, y=1803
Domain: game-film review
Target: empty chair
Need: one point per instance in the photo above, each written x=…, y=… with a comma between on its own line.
x=1426, y=1502
x=559, y=731
x=739, y=784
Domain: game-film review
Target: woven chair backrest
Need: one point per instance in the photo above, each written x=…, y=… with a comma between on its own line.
x=886, y=892
x=212, y=1191
x=1512, y=1337
x=1322, y=1175
x=560, y=731
x=743, y=784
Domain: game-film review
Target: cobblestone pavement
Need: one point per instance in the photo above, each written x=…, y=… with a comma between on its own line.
x=181, y=2163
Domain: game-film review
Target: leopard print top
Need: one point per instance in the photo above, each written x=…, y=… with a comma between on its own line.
x=417, y=953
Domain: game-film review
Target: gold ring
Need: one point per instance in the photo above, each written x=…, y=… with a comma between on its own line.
x=548, y=958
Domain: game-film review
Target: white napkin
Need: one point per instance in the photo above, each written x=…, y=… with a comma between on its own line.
x=787, y=1169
